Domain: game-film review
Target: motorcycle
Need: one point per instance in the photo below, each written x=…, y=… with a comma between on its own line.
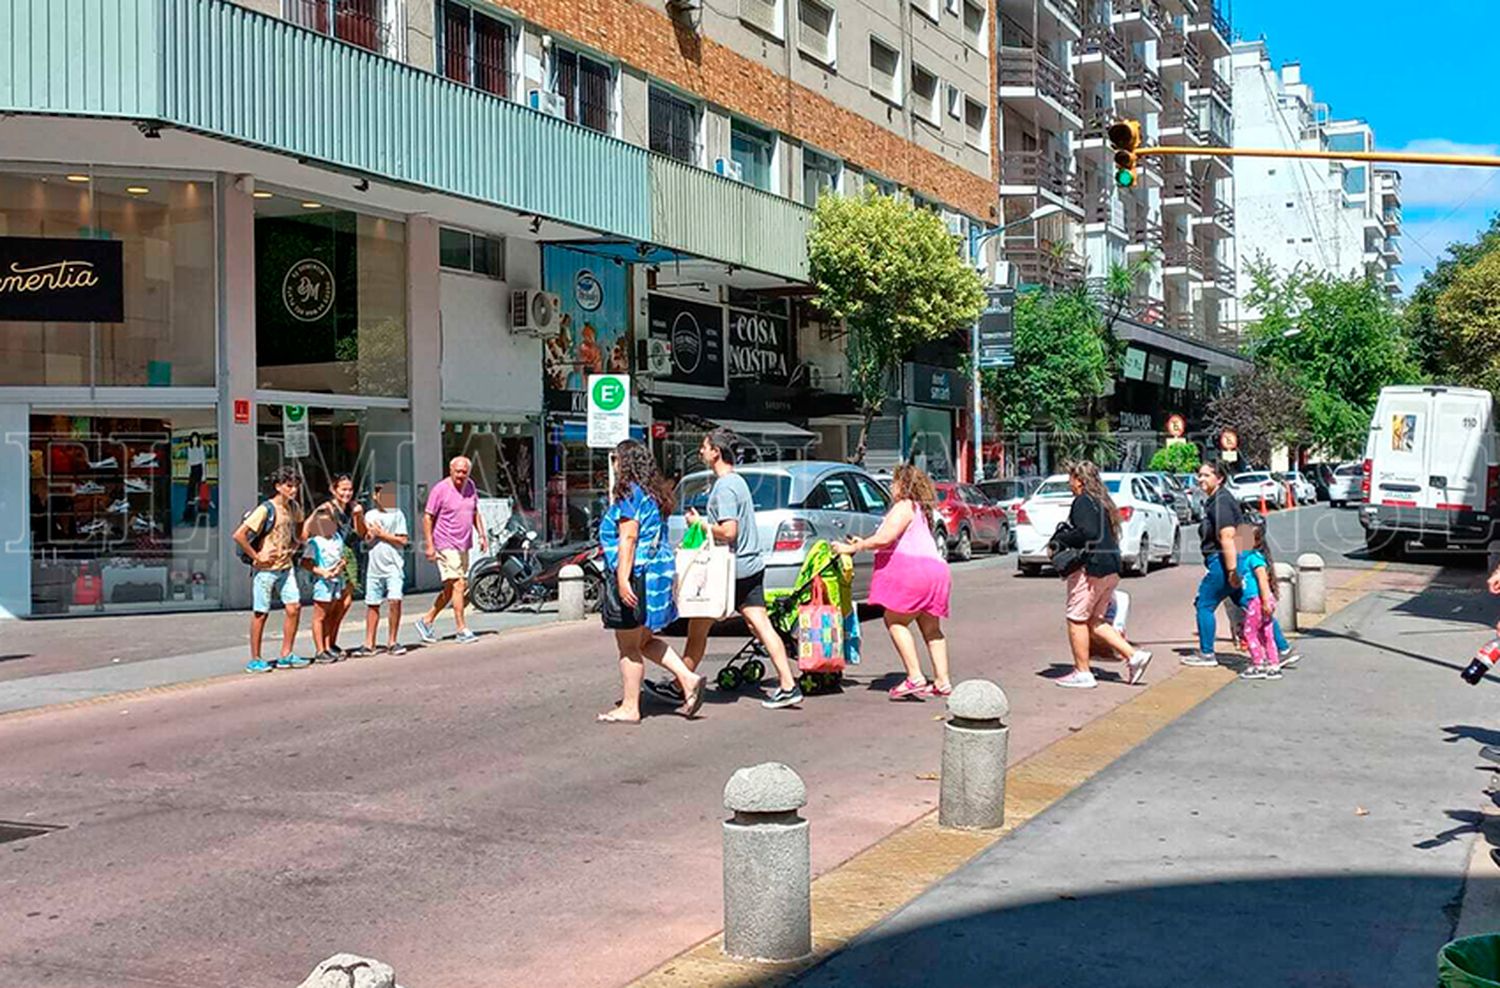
x=520, y=572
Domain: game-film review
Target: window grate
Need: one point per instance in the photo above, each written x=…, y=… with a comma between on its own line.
x=673, y=127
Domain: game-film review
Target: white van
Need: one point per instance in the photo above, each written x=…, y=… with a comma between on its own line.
x=1432, y=467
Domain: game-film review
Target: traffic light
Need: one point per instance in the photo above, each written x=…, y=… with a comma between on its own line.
x=1125, y=137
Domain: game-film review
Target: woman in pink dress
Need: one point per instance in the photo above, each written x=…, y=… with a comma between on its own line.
x=911, y=582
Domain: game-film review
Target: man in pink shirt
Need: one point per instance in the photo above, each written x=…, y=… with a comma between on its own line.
x=448, y=526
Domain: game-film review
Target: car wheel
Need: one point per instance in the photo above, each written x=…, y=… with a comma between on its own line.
x=964, y=550
x=1142, y=564
x=940, y=536
x=1030, y=569
x=1002, y=544
x=1383, y=544
x=1176, y=556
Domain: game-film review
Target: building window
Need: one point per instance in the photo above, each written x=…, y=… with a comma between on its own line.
x=359, y=22
x=976, y=123
x=924, y=94
x=882, y=185
x=975, y=32
x=929, y=8
x=754, y=150
x=820, y=174
x=816, y=27
x=764, y=15
x=673, y=126
x=885, y=71
x=460, y=250
x=955, y=99
x=587, y=89
x=1354, y=181
x=474, y=49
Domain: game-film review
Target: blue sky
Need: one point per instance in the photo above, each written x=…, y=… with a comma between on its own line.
x=1424, y=75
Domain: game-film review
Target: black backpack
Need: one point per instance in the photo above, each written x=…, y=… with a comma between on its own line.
x=256, y=538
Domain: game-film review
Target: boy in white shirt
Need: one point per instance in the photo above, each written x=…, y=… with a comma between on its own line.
x=385, y=572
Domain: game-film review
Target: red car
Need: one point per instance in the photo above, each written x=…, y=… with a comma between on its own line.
x=971, y=519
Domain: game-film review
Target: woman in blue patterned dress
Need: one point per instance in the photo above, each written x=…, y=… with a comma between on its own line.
x=638, y=598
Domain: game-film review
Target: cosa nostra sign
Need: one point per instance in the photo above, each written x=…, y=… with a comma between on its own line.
x=51, y=279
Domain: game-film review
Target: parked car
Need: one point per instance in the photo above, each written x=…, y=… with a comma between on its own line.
x=1302, y=486
x=796, y=504
x=1252, y=487
x=1346, y=487
x=1009, y=492
x=1196, y=497
x=1149, y=532
x=1172, y=495
x=971, y=518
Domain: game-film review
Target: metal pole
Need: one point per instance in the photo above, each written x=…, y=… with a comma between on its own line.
x=977, y=473
x=1395, y=157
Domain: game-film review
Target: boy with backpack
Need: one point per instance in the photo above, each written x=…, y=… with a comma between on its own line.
x=268, y=539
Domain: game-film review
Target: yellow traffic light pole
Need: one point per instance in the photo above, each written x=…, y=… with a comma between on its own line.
x=1389, y=157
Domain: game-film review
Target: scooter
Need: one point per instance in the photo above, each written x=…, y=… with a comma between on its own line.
x=521, y=573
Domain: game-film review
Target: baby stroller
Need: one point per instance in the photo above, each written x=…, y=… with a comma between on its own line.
x=748, y=664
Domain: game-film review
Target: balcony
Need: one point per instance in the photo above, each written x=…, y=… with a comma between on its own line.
x=1040, y=173
x=1212, y=30
x=1179, y=57
x=1391, y=249
x=1141, y=91
x=1147, y=309
x=1182, y=191
x=1216, y=276
x=1105, y=214
x=1144, y=235
x=1042, y=262
x=1093, y=134
x=1100, y=54
x=356, y=21
x=1060, y=16
x=1182, y=124
x=1215, y=216
x=1391, y=217
x=1035, y=87
x=1138, y=20
x=1183, y=261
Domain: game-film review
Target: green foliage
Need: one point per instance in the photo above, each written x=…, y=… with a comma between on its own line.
x=1468, y=311
x=1064, y=362
x=1346, y=342
x=892, y=273
x=1265, y=408
x=1439, y=352
x=1176, y=458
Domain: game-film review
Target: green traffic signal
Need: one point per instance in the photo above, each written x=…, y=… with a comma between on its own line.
x=1124, y=178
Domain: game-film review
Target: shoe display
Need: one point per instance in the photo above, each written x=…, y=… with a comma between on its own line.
x=96, y=527
x=140, y=524
x=144, y=461
x=119, y=507
x=108, y=463
x=135, y=485
x=88, y=487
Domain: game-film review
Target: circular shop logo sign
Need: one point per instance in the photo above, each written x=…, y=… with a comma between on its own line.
x=307, y=290
x=587, y=291
x=687, y=343
x=608, y=394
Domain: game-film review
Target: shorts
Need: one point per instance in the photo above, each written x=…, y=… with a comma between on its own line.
x=618, y=615
x=326, y=591
x=750, y=591
x=275, y=584
x=379, y=589
x=453, y=564
x=1089, y=597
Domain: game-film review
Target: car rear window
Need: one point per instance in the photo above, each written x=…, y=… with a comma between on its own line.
x=1054, y=488
x=1348, y=471
x=769, y=491
x=1002, y=490
x=1252, y=478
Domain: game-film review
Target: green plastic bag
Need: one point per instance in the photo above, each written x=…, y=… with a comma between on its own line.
x=1471, y=962
x=695, y=536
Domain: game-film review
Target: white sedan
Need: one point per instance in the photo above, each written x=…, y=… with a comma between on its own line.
x=1302, y=486
x=1249, y=488
x=1149, y=531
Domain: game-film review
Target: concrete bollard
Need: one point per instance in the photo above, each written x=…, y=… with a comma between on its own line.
x=975, y=741
x=1286, y=596
x=767, y=865
x=570, y=593
x=1312, y=584
x=351, y=971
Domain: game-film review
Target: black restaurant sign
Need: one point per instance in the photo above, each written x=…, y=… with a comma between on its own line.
x=50, y=279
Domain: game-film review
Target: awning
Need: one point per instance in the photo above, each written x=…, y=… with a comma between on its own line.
x=781, y=433
x=1219, y=360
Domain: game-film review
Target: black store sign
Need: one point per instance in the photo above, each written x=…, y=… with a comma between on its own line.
x=49, y=279
x=695, y=332
x=944, y=387
x=760, y=346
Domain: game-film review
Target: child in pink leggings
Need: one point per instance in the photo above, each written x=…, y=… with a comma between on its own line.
x=1258, y=598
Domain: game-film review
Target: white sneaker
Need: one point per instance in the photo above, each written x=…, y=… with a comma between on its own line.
x=88, y=487
x=143, y=460
x=120, y=507
x=1136, y=667
x=1078, y=680
x=1200, y=660
x=1254, y=672
x=108, y=463
x=136, y=485
x=1273, y=672
x=1290, y=659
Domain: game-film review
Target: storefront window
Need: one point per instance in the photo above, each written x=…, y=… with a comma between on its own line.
x=330, y=300
x=504, y=462
x=166, y=227
x=124, y=510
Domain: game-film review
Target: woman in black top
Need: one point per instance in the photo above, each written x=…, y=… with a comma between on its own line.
x=1093, y=528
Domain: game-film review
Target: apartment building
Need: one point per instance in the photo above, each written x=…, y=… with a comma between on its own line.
x=368, y=235
x=1066, y=72
x=1340, y=217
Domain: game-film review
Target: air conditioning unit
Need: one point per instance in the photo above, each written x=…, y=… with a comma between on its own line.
x=658, y=357
x=547, y=102
x=814, y=376
x=534, y=313
x=729, y=168
x=958, y=225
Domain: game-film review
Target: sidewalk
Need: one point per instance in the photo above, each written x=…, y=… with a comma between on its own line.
x=66, y=661
x=1312, y=831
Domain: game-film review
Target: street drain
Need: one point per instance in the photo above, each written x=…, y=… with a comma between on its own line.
x=10, y=830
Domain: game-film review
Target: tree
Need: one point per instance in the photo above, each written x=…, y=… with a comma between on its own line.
x=1064, y=362
x=1264, y=408
x=892, y=273
x=1176, y=458
x=1468, y=311
x=1437, y=353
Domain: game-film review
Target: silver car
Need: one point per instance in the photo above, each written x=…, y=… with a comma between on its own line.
x=796, y=504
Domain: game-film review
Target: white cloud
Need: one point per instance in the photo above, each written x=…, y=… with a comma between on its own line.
x=1450, y=186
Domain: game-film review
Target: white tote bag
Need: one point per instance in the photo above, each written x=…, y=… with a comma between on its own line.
x=705, y=581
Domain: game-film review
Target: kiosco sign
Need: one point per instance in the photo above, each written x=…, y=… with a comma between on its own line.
x=49, y=279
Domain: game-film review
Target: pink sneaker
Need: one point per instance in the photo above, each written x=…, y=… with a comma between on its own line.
x=909, y=688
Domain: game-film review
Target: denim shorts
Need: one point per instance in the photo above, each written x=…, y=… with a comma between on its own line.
x=275, y=584
x=379, y=589
x=327, y=591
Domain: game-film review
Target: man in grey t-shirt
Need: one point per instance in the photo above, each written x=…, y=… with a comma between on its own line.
x=731, y=519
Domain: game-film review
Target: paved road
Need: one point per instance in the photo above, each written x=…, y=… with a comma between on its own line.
x=459, y=814
x=1314, y=831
